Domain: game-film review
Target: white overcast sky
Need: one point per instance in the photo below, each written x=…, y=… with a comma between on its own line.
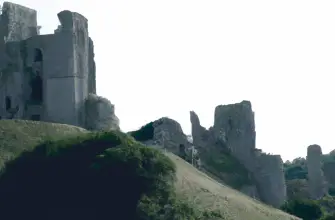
x=160, y=58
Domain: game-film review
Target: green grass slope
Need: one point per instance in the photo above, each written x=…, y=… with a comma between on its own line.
x=17, y=136
x=84, y=171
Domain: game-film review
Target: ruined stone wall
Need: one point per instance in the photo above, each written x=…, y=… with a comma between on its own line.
x=234, y=127
x=67, y=70
x=316, y=182
x=64, y=64
x=271, y=179
x=100, y=114
x=168, y=132
x=237, y=123
x=17, y=22
x=11, y=81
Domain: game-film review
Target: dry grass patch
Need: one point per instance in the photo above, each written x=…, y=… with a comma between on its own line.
x=206, y=193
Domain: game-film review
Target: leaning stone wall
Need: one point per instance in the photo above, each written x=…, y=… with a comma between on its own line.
x=316, y=182
x=271, y=179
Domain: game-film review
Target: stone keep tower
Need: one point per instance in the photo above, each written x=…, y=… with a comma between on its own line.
x=45, y=77
x=316, y=183
x=66, y=70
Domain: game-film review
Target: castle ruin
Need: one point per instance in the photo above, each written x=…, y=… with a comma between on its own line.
x=47, y=77
x=234, y=127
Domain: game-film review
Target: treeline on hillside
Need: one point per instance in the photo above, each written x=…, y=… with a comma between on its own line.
x=297, y=169
x=308, y=209
x=93, y=176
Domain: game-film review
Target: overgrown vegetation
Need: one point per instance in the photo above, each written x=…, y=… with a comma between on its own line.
x=220, y=163
x=305, y=209
x=92, y=176
x=145, y=133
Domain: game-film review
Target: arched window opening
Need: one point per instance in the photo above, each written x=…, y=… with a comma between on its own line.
x=37, y=89
x=8, y=103
x=38, y=57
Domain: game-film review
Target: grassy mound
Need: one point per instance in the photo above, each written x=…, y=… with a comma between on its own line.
x=97, y=175
x=17, y=136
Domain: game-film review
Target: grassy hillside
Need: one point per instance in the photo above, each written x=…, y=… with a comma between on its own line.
x=206, y=193
x=87, y=168
x=19, y=135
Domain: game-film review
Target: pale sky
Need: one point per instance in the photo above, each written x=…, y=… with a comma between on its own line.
x=164, y=58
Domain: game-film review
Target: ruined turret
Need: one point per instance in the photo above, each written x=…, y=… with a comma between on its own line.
x=316, y=183
x=234, y=130
x=236, y=122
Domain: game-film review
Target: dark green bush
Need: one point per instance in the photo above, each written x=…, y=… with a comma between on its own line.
x=305, y=209
x=328, y=217
x=145, y=133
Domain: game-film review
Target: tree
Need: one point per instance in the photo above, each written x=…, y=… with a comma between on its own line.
x=328, y=217
x=305, y=209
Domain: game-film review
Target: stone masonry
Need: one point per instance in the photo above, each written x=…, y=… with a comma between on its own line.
x=235, y=126
x=45, y=77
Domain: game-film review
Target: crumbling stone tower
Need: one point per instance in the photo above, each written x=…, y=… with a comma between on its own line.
x=316, y=182
x=234, y=126
x=50, y=77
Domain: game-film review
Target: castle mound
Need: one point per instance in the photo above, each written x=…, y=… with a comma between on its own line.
x=191, y=185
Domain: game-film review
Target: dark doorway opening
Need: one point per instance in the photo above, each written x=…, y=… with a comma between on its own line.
x=35, y=117
x=8, y=103
x=37, y=89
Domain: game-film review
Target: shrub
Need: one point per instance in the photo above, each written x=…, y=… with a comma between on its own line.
x=145, y=133
x=328, y=217
x=305, y=209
